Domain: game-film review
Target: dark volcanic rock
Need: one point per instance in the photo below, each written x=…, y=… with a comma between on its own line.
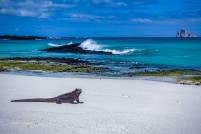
x=49, y=59
x=2, y=70
x=73, y=48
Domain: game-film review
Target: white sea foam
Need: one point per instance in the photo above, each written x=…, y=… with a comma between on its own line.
x=58, y=45
x=54, y=45
x=126, y=51
x=70, y=43
x=92, y=45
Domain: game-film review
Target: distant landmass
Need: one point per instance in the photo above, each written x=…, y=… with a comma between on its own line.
x=183, y=33
x=16, y=37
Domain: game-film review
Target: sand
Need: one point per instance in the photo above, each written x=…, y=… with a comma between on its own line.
x=111, y=106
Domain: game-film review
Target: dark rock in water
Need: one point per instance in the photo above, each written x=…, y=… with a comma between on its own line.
x=2, y=70
x=137, y=67
x=73, y=48
x=71, y=61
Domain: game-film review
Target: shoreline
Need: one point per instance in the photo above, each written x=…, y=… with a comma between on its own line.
x=70, y=67
x=88, y=76
x=166, y=79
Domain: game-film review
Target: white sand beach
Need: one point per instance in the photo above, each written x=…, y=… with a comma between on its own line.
x=111, y=106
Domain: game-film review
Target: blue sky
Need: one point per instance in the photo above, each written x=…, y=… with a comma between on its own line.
x=99, y=17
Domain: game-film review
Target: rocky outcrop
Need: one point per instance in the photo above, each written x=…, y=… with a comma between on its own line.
x=70, y=61
x=73, y=48
x=183, y=33
x=192, y=80
x=189, y=82
x=2, y=69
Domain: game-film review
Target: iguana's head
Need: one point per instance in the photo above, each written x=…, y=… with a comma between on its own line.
x=78, y=91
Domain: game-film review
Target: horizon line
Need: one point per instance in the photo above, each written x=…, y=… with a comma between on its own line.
x=93, y=36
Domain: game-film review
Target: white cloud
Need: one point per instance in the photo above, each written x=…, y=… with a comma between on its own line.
x=101, y=1
x=110, y=3
x=173, y=21
x=85, y=16
x=170, y=21
x=194, y=20
x=24, y=13
x=88, y=17
x=122, y=4
x=31, y=8
x=141, y=20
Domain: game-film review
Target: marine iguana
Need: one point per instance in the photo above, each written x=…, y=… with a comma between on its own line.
x=72, y=97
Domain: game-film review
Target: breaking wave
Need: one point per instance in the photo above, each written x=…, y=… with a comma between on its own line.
x=126, y=51
x=92, y=45
x=69, y=43
x=54, y=45
x=58, y=45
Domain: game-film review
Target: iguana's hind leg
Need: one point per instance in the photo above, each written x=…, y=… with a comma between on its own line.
x=58, y=101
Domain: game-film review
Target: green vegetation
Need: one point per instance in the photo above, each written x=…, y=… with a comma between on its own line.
x=51, y=67
x=191, y=80
x=194, y=79
x=169, y=73
x=185, y=76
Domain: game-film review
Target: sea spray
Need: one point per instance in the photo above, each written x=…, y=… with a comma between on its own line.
x=69, y=43
x=92, y=45
x=126, y=51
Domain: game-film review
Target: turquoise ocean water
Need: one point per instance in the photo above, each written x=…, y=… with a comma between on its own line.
x=129, y=54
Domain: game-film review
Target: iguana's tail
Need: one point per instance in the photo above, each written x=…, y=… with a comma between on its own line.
x=34, y=100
